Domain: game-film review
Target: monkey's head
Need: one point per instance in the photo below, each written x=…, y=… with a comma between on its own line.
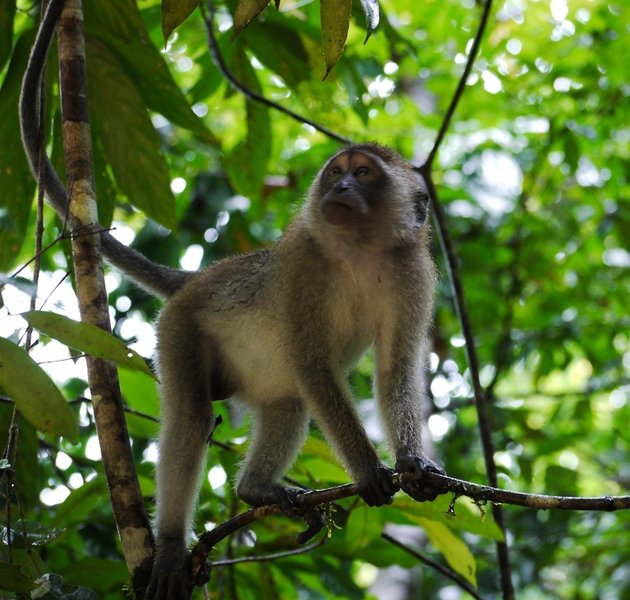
x=369, y=192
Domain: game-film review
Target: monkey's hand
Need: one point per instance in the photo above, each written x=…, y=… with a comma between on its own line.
x=418, y=466
x=376, y=486
x=171, y=574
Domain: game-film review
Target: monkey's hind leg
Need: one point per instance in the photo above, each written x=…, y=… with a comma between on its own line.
x=186, y=422
x=278, y=432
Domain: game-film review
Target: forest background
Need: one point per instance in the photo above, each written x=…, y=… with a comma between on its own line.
x=532, y=176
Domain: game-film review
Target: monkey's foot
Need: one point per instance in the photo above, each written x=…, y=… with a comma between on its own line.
x=170, y=577
x=376, y=487
x=285, y=497
x=418, y=466
x=257, y=491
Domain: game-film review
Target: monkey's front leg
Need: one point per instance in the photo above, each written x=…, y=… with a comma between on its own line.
x=334, y=411
x=400, y=397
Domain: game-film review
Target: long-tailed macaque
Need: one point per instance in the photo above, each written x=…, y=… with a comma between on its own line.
x=279, y=329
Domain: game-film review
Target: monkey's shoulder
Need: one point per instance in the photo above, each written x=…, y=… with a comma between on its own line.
x=232, y=283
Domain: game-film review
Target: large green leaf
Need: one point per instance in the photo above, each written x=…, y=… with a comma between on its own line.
x=130, y=143
x=13, y=579
x=18, y=185
x=246, y=11
x=79, y=506
x=454, y=549
x=175, y=12
x=467, y=515
x=87, y=338
x=335, y=22
x=34, y=393
x=140, y=394
x=104, y=186
x=364, y=525
x=286, y=56
x=96, y=573
x=247, y=163
x=119, y=25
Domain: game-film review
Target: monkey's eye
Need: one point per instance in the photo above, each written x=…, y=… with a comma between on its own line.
x=334, y=172
x=362, y=172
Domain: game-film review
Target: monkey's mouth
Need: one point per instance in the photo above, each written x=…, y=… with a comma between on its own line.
x=343, y=208
x=342, y=205
x=343, y=211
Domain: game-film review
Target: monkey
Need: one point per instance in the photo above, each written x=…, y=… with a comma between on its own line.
x=279, y=329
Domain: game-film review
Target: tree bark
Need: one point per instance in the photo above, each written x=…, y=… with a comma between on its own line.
x=127, y=503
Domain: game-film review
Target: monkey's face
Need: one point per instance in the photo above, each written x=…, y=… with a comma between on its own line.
x=350, y=186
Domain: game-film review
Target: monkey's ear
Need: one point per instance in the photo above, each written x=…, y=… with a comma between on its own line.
x=420, y=207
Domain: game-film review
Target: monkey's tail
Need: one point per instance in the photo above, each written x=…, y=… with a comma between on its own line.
x=155, y=278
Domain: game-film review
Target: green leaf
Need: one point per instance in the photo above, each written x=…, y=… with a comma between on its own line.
x=467, y=515
x=12, y=578
x=335, y=21
x=18, y=185
x=364, y=525
x=140, y=393
x=87, y=338
x=28, y=460
x=247, y=163
x=7, y=14
x=122, y=30
x=174, y=13
x=96, y=573
x=287, y=56
x=455, y=551
x=80, y=504
x=34, y=393
x=372, y=16
x=246, y=11
x=321, y=470
x=130, y=143
x=105, y=189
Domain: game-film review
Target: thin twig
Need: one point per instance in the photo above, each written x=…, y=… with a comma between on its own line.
x=462, y=83
x=460, y=304
x=215, y=52
x=269, y=557
x=450, y=574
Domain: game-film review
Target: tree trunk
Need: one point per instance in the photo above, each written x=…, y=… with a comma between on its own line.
x=128, y=507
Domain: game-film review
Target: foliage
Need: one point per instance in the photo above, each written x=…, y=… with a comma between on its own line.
x=533, y=176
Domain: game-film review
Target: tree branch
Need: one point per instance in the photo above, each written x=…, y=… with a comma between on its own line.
x=479, y=493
